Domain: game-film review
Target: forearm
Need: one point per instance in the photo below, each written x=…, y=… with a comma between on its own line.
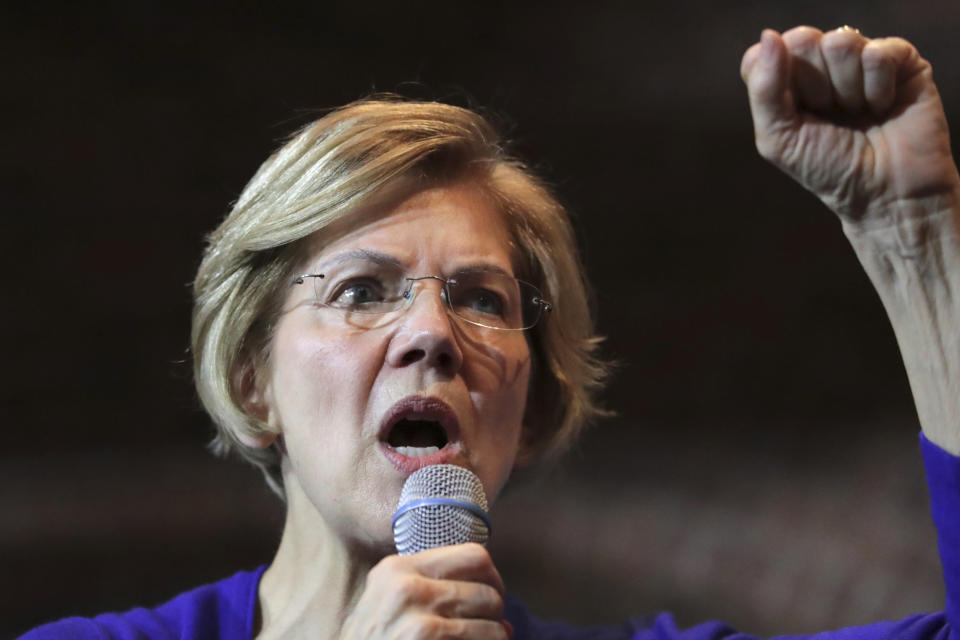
x=914, y=263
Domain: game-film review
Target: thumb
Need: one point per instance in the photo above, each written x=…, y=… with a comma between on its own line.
x=766, y=71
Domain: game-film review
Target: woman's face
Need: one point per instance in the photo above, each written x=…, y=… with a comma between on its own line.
x=363, y=401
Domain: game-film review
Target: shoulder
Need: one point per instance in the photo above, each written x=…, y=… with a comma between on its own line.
x=223, y=609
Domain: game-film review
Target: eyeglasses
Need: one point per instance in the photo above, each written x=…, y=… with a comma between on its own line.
x=367, y=290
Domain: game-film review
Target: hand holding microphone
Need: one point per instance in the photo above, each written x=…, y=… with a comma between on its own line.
x=443, y=583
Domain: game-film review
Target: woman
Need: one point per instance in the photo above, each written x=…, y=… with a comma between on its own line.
x=391, y=290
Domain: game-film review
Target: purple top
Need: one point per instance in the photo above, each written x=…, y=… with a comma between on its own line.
x=227, y=609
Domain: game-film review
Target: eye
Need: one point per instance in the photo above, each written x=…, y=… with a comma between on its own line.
x=480, y=301
x=358, y=293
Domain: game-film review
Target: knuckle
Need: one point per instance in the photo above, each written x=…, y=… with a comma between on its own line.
x=477, y=554
x=802, y=40
x=389, y=565
x=497, y=605
x=427, y=627
x=803, y=31
x=899, y=42
x=838, y=45
x=450, y=603
x=380, y=577
x=488, y=603
x=455, y=628
x=415, y=589
x=471, y=601
x=401, y=589
x=876, y=56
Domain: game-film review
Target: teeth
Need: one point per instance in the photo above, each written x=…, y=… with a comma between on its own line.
x=417, y=452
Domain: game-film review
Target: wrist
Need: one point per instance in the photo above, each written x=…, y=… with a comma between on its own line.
x=914, y=262
x=908, y=228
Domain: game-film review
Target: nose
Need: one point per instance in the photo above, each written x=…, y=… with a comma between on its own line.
x=426, y=333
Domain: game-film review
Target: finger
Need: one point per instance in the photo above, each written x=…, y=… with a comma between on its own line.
x=469, y=562
x=811, y=80
x=749, y=59
x=456, y=599
x=882, y=59
x=437, y=627
x=765, y=70
x=841, y=50
x=879, y=78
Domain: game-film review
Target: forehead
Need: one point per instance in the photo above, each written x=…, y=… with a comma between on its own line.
x=446, y=226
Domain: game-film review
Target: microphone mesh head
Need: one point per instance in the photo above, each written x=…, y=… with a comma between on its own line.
x=426, y=526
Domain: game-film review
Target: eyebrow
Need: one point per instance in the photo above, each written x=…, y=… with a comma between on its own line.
x=377, y=257
x=385, y=259
x=489, y=268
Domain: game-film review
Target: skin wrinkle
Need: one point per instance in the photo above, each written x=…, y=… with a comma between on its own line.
x=839, y=56
x=878, y=87
x=915, y=291
x=494, y=359
x=491, y=374
x=467, y=334
x=514, y=376
x=879, y=149
x=804, y=43
x=933, y=356
x=891, y=178
x=906, y=234
x=496, y=216
x=807, y=150
x=842, y=193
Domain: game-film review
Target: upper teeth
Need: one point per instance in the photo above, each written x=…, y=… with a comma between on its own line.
x=417, y=452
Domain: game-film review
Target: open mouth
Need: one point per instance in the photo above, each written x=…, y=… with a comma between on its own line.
x=416, y=438
x=418, y=427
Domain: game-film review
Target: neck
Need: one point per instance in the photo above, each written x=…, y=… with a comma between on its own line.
x=315, y=578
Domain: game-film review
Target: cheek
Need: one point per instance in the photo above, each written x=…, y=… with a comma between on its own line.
x=317, y=377
x=498, y=379
x=502, y=417
x=493, y=367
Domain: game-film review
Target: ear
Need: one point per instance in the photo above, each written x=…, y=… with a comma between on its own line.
x=261, y=440
x=255, y=401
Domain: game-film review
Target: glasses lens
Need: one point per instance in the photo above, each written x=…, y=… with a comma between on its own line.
x=494, y=300
x=367, y=292
x=365, y=287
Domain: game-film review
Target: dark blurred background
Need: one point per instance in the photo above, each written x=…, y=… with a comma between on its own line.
x=763, y=466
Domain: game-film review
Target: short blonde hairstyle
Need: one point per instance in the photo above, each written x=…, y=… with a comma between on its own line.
x=327, y=172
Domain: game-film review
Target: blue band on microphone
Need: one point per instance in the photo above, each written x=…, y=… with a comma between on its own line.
x=426, y=502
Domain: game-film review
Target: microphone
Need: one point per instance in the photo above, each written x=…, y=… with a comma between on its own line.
x=440, y=505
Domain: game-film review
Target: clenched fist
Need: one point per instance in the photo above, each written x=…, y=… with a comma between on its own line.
x=857, y=121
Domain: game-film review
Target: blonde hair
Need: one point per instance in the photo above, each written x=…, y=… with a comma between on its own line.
x=326, y=172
